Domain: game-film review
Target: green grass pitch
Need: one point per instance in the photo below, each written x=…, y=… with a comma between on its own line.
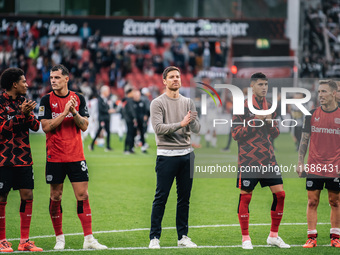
x=121, y=192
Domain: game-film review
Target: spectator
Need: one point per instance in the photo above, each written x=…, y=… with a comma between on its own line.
x=85, y=33
x=159, y=36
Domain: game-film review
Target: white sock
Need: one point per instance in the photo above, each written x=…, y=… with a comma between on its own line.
x=335, y=231
x=312, y=231
x=88, y=237
x=60, y=238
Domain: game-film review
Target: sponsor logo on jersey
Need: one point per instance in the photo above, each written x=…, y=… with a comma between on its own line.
x=326, y=130
x=246, y=183
x=55, y=105
x=317, y=119
x=41, y=111
x=309, y=184
x=10, y=117
x=55, y=115
x=337, y=120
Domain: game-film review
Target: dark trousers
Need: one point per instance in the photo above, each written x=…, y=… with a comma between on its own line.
x=107, y=129
x=167, y=168
x=130, y=136
x=141, y=130
x=229, y=140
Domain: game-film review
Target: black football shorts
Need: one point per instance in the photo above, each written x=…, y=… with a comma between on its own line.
x=76, y=171
x=20, y=177
x=314, y=182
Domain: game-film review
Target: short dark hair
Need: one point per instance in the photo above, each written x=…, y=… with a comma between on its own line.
x=258, y=76
x=62, y=68
x=9, y=76
x=332, y=84
x=169, y=69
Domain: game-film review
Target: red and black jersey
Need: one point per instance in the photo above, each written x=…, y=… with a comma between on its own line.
x=324, y=147
x=15, y=147
x=64, y=143
x=254, y=143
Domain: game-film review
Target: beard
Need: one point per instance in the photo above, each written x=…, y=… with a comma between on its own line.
x=173, y=89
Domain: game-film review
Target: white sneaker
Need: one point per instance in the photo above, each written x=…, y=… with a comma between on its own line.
x=186, y=242
x=154, y=244
x=92, y=243
x=277, y=241
x=247, y=245
x=60, y=242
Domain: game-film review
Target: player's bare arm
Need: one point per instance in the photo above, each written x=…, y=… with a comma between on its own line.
x=302, y=151
x=80, y=121
x=50, y=124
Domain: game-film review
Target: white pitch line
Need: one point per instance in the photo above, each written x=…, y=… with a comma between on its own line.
x=169, y=247
x=167, y=228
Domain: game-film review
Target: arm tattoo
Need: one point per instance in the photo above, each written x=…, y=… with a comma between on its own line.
x=303, y=145
x=78, y=120
x=51, y=125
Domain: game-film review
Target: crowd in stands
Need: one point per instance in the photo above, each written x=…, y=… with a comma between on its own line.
x=321, y=40
x=93, y=63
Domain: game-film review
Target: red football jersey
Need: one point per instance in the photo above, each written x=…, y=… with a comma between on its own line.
x=324, y=148
x=64, y=144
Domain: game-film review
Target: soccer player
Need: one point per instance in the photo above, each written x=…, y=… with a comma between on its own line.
x=63, y=114
x=16, y=118
x=255, y=151
x=322, y=168
x=173, y=117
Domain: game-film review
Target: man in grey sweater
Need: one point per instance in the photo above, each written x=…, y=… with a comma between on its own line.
x=173, y=117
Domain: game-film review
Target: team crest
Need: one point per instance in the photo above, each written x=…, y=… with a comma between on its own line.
x=246, y=183
x=41, y=111
x=337, y=120
x=336, y=180
x=309, y=184
x=49, y=178
x=1, y=185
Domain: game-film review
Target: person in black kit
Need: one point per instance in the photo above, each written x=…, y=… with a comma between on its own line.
x=142, y=117
x=16, y=119
x=159, y=36
x=103, y=116
x=129, y=114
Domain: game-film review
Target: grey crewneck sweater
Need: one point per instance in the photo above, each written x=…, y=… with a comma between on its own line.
x=166, y=116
